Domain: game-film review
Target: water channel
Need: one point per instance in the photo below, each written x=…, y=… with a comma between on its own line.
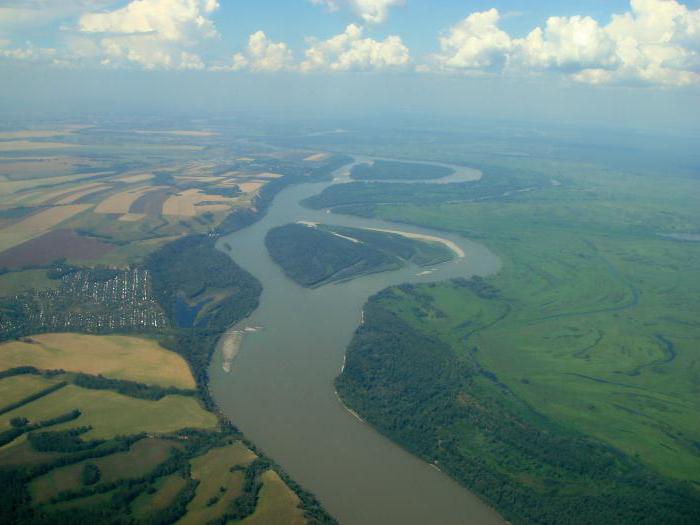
x=279, y=390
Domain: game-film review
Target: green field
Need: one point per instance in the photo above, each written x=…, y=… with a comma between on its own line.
x=603, y=310
x=593, y=325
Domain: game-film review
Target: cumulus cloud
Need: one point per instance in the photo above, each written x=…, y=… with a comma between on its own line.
x=656, y=42
x=155, y=34
x=370, y=11
x=262, y=54
x=348, y=51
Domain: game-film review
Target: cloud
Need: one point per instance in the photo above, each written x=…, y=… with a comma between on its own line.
x=155, y=34
x=657, y=42
x=475, y=43
x=262, y=54
x=370, y=11
x=348, y=51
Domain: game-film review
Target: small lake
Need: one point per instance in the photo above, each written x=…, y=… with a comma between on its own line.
x=280, y=392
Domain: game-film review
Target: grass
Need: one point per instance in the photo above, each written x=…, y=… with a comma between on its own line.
x=111, y=414
x=16, y=388
x=601, y=332
x=166, y=490
x=115, y=356
x=143, y=456
x=213, y=472
x=15, y=283
x=276, y=503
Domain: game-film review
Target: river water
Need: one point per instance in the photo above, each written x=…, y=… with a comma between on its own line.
x=279, y=390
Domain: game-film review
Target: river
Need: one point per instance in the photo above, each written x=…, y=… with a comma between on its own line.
x=279, y=390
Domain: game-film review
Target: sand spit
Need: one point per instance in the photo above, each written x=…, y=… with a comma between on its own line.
x=231, y=343
x=451, y=245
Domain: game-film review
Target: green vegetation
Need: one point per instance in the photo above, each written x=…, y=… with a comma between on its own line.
x=314, y=255
x=591, y=336
x=411, y=372
x=394, y=170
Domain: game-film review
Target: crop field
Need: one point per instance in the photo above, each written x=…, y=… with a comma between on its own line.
x=77, y=195
x=147, y=506
x=56, y=244
x=16, y=388
x=37, y=224
x=143, y=456
x=602, y=330
x=13, y=283
x=118, y=357
x=213, y=470
x=277, y=503
x=110, y=414
x=187, y=203
x=120, y=203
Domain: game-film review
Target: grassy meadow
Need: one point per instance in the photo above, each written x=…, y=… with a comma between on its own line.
x=601, y=328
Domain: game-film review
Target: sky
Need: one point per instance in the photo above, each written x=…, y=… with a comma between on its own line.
x=634, y=62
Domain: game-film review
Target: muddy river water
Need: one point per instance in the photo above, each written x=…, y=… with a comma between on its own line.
x=279, y=389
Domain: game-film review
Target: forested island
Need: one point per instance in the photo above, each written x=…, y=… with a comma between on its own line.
x=396, y=170
x=313, y=255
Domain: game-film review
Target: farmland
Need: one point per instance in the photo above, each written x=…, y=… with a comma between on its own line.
x=106, y=238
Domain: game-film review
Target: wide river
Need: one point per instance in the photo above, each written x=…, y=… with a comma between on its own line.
x=280, y=393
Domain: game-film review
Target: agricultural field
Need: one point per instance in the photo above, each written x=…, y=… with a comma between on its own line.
x=112, y=298
x=116, y=196
x=117, y=357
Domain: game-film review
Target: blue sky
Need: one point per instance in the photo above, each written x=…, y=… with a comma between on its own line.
x=600, y=51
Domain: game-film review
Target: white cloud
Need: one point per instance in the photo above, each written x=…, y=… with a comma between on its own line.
x=475, y=43
x=155, y=34
x=656, y=42
x=349, y=51
x=28, y=53
x=370, y=11
x=262, y=54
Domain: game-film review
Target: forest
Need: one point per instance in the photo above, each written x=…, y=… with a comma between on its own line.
x=313, y=255
x=395, y=170
x=451, y=411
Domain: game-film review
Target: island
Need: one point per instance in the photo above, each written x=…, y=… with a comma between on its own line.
x=316, y=254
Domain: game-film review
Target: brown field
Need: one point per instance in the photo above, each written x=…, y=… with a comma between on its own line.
x=139, y=460
x=86, y=190
x=176, y=132
x=28, y=145
x=22, y=168
x=131, y=179
x=57, y=244
x=203, y=178
x=250, y=187
x=233, y=174
x=184, y=204
x=118, y=357
x=213, y=471
x=8, y=189
x=37, y=224
x=120, y=203
x=276, y=504
x=317, y=157
x=268, y=175
x=151, y=203
x=132, y=217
